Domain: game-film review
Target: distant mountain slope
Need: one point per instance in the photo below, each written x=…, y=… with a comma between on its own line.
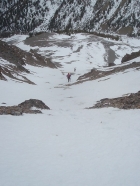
x=25, y=15
x=13, y=62
x=121, y=16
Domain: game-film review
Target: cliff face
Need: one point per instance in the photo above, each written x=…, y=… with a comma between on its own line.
x=119, y=16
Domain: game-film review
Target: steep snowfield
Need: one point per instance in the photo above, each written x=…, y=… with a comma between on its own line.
x=70, y=145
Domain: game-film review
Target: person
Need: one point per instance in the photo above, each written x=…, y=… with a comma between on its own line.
x=68, y=76
x=74, y=69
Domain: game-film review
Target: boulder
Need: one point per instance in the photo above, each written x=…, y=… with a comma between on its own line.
x=24, y=107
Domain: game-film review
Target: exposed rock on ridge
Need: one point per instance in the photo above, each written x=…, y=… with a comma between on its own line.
x=15, y=60
x=131, y=56
x=127, y=102
x=24, y=107
x=96, y=74
x=20, y=58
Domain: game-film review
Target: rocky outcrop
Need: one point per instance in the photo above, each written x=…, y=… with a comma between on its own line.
x=131, y=56
x=24, y=107
x=1, y=76
x=15, y=60
x=20, y=57
x=126, y=102
x=96, y=74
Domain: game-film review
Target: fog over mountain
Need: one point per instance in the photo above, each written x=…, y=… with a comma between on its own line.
x=111, y=16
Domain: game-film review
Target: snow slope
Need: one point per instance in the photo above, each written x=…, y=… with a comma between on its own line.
x=70, y=145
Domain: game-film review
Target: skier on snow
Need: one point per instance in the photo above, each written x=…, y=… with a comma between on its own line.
x=68, y=76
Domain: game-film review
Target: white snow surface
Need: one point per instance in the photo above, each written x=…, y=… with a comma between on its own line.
x=16, y=38
x=70, y=145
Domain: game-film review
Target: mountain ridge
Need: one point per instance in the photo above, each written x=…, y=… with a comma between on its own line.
x=114, y=16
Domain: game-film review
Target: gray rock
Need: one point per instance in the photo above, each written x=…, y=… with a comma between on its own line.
x=16, y=113
x=24, y=107
x=126, y=102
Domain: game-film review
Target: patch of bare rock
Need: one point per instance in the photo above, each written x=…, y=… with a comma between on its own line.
x=24, y=107
x=131, y=56
x=18, y=59
x=96, y=74
x=127, y=102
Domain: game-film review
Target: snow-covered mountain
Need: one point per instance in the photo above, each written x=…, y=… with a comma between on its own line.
x=121, y=16
x=25, y=15
x=68, y=145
